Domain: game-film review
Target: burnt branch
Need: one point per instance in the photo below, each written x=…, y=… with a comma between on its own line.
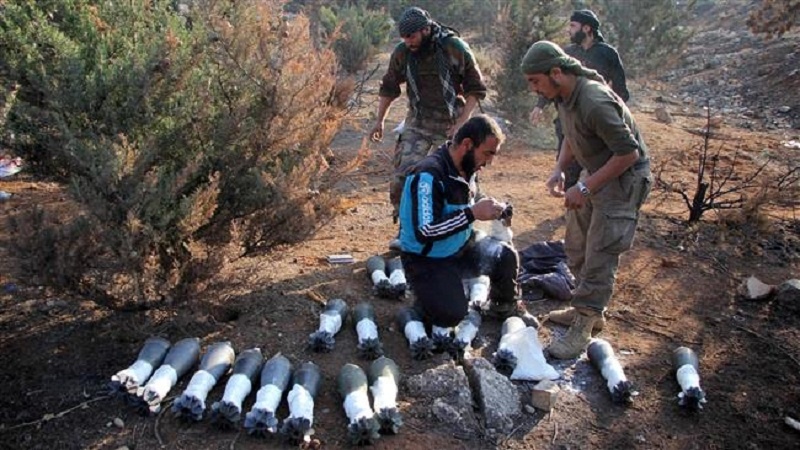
x=721, y=183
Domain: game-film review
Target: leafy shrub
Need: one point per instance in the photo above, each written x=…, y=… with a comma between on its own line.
x=774, y=17
x=523, y=22
x=183, y=136
x=649, y=38
x=357, y=33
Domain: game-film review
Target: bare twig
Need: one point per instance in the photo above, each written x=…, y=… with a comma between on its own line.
x=155, y=427
x=48, y=417
x=358, y=90
x=714, y=260
x=555, y=425
x=511, y=434
x=657, y=332
x=715, y=183
x=235, y=438
x=555, y=434
x=769, y=341
x=788, y=178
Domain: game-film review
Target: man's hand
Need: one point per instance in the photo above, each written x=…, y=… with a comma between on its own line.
x=536, y=115
x=488, y=209
x=573, y=199
x=555, y=184
x=376, y=135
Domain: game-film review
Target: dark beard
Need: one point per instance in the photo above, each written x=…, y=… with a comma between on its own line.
x=468, y=163
x=427, y=43
x=424, y=46
x=578, y=37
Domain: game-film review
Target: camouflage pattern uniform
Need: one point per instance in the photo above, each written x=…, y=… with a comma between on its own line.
x=427, y=128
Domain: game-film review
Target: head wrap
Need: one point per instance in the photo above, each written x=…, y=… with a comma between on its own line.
x=588, y=17
x=545, y=55
x=412, y=20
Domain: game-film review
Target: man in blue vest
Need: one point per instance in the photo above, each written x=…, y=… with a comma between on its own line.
x=437, y=212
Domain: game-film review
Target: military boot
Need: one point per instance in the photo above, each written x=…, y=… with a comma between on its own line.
x=503, y=311
x=567, y=315
x=572, y=344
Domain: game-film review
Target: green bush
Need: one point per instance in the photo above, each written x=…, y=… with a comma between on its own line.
x=649, y=38
x=774, y=17
x=183, y=137
x=358, y=33
x=523, y=22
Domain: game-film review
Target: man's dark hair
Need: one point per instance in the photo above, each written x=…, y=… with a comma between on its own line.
x=588, y=17
x=478, y=128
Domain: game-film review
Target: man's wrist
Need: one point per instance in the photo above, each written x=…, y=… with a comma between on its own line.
x=470, y=215
x=583, y=189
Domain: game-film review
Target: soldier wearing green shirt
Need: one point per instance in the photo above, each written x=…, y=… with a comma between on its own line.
x=588, y=46
x=602, y=208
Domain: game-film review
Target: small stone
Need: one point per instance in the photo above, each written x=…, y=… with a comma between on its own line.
x=784, y=109
x=119, y=423
x=788, y=292
x=544, y=395
x=530, y=409
x=662, y=115
x=754, y=289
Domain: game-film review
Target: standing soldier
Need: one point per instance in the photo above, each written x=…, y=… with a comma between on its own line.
x=588, y=46
x=602, y=208
x=443, y=84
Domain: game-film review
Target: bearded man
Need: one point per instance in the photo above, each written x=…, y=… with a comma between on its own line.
x=588, y=46
x=443, y=85
x=603, y=207
x=437, y=212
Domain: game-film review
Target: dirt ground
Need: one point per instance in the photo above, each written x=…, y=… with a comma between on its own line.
x=676, y=287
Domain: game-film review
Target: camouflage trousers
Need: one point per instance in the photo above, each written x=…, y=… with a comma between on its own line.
x=412, y=146
x=600, y=232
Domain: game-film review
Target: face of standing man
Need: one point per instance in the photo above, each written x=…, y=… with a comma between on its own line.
x=543, y=84
x=577, y=32
x=418, y=39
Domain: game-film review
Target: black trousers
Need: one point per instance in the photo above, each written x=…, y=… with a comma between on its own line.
x=437, y=282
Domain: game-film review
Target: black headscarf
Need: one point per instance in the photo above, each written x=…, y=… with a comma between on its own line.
x=412, y=20
x=588, y=17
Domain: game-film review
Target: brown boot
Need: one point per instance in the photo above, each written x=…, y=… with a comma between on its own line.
x=567, y=315
x=572, y=344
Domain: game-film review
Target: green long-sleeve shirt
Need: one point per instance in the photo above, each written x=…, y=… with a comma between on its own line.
x=598, y=125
